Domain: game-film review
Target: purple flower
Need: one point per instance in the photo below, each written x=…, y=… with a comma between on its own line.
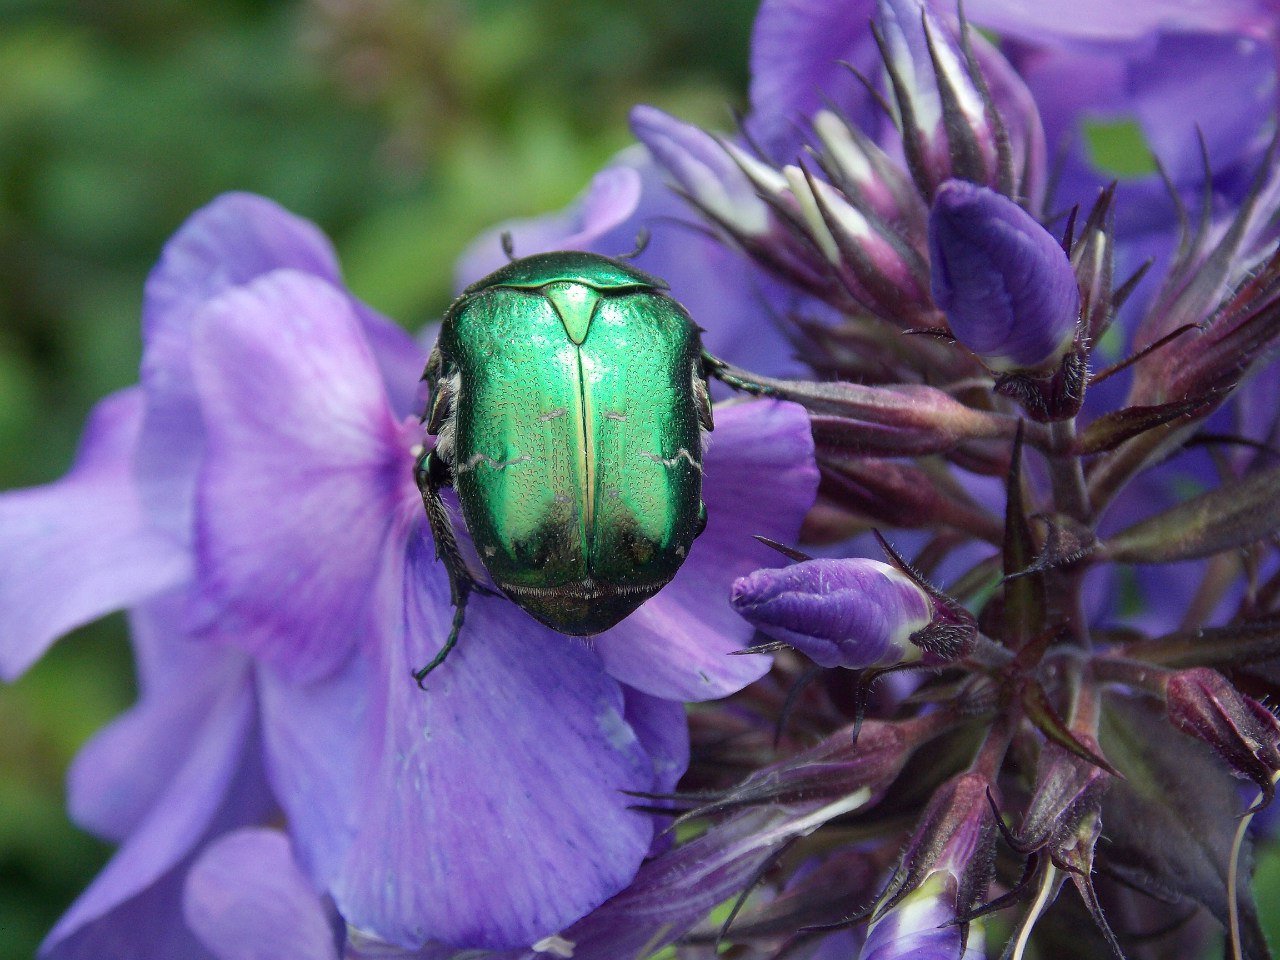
x=1007, y=288
x=839, y=613
x=265, y=529
x=1016, y=481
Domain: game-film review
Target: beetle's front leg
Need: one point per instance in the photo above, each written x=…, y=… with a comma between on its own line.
x=735, y=378
x=432, y=473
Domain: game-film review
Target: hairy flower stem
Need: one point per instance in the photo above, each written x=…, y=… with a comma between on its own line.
x=1130, y=673
x=1070, y=494
x=990, y=755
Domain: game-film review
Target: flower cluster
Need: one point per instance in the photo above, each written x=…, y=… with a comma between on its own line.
x=1049, y=398
x=252, y=503
x=1037, y=603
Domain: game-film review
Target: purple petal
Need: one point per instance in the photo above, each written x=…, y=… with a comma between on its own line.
x=1170, y=81
x=796, y=49
x=304, y=468
x=312, y=736
x=914, y=929
x=1008, y=289
x=228, y=243
x=760, y=479
x=126, y=768
x=1192, y=85
x=235, y=239
x=663, y=730
x=494, y=811
x=840, y=612
x=247, y=899
x=1105, y=20
x=401, y=360
x=81, y=547
x=608, y=201
x=217, y=780
x=231, y=241
x=148, y=926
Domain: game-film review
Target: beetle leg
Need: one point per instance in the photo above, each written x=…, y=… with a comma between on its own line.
x=441, y=404
x=432, y=473
x=731, y=376
x=702, y=397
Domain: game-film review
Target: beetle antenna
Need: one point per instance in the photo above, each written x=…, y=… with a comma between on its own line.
x=642, y=243
x=508, y=244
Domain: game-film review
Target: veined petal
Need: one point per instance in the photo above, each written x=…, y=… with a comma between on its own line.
x=493, y=811
x=304, y=468
x=663, y=730
x=796, y=51
x=246, y=899
x=218, y=784
x=127, y=767
x=232, y=241
x=609, y=200
x=82, y=546
x=313, y=739
x=760, y=478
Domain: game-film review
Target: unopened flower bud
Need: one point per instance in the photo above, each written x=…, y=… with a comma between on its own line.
x=922, y=927
x=1204, y=704
x=942, y=112
x=839, y=613
x=705, y=172
x=1067, y=797
x=1007, y=288
x=944, y=873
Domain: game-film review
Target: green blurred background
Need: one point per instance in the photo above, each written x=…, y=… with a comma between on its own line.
x=403, y=127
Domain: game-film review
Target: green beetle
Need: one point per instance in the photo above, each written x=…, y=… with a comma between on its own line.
x=568, y=392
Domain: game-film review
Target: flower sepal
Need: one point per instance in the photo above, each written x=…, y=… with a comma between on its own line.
x=1206, y=705
x=943, y=874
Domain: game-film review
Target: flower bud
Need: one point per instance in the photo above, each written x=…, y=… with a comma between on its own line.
x=1006, y=286
x=922, y=927
x=1063, y=812
x=839, y=613
x=944, y=873
x=1204, y=704
x=861, y=169
x=943, y=114
x=705, y=172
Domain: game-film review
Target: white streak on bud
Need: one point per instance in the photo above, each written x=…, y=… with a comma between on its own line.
x=555, y=945
x=844, y=151
x=853, y=223
x=762, y=176
x=809, y=210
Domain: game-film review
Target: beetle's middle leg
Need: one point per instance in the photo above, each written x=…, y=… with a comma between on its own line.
x=736, y=378
x=432, y=474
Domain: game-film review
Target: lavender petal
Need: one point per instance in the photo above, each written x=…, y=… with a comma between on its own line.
x=245, y=898
x=82, y=546
x=304, y=469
